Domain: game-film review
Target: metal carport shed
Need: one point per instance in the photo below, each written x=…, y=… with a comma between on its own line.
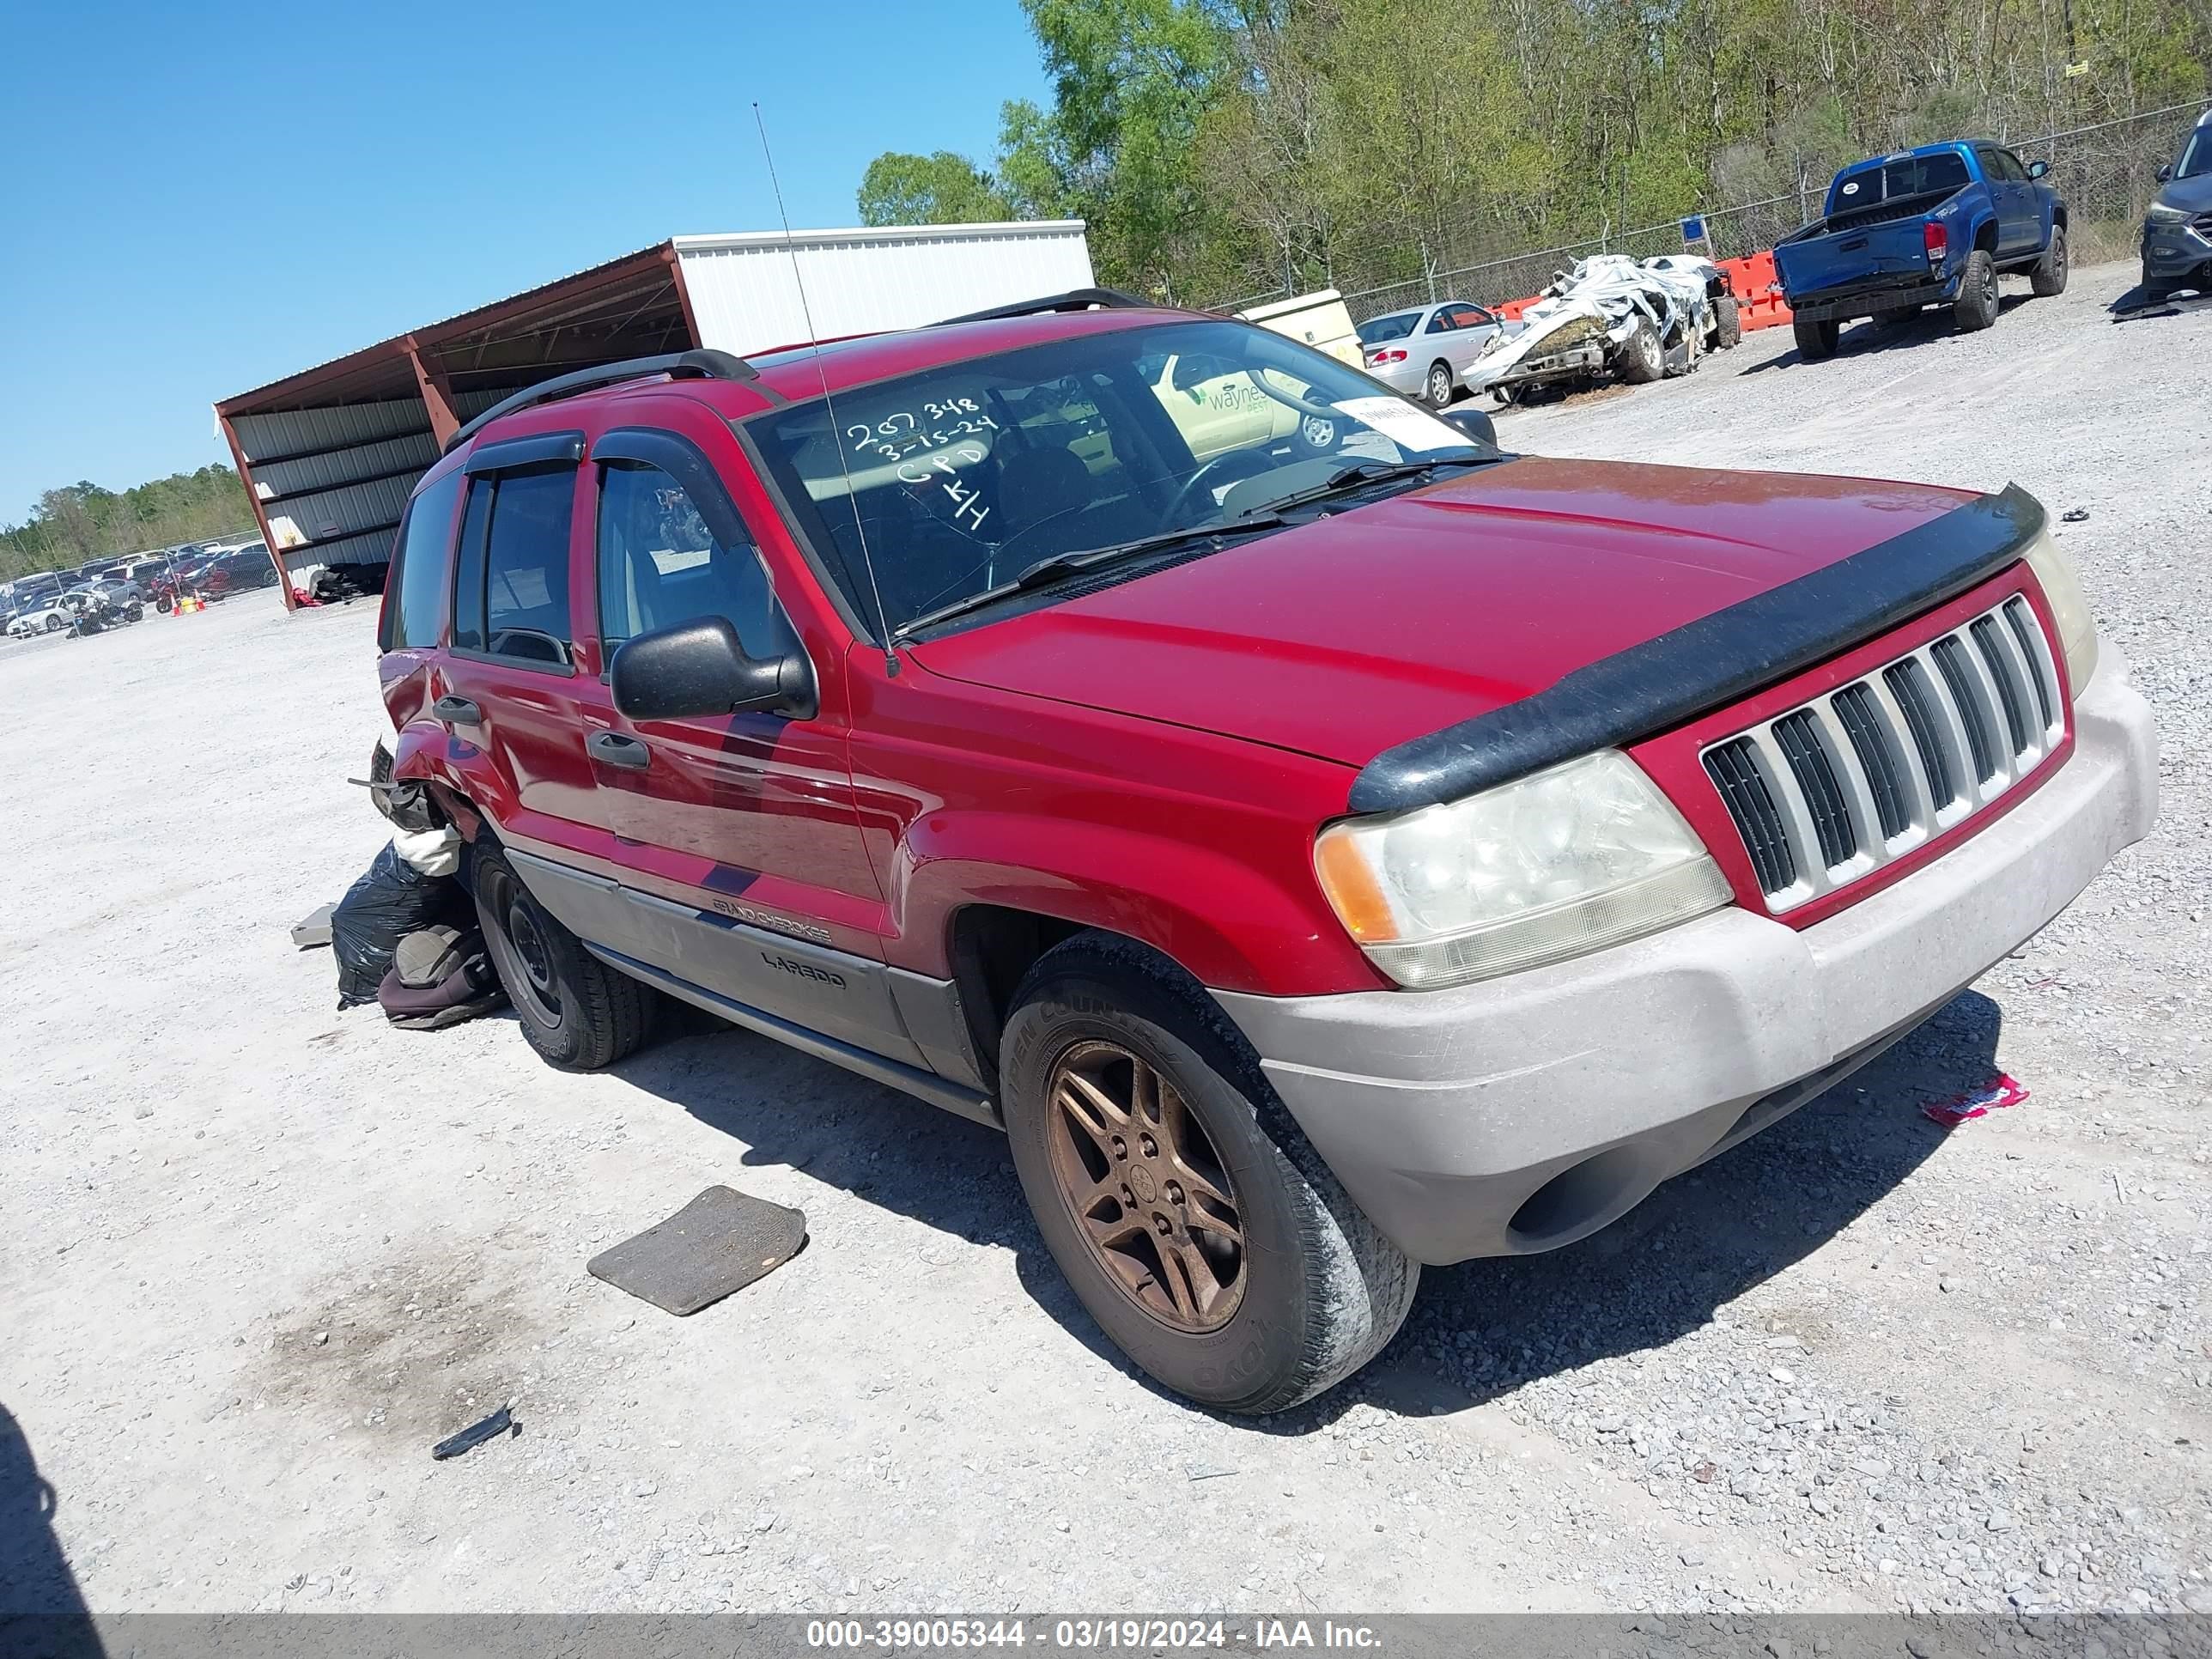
x=330, y=454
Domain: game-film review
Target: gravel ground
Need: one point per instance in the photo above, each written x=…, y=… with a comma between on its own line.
x=255, y=1257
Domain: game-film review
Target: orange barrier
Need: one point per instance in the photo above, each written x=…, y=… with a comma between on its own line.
x=1757, y=290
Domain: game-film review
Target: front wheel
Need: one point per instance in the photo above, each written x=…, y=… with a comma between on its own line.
x=1976, y=306
x=1191, y=1217
x=1438, y=388
x=1641, y=360
x=579, y=1013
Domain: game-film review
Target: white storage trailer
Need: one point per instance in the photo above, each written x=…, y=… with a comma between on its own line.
x=330, y=454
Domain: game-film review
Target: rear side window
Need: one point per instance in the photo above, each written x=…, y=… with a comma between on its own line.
x=659, y=564
x=412, y=618
x=511, y=581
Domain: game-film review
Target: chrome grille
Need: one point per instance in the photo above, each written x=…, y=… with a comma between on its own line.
x=1823, y=793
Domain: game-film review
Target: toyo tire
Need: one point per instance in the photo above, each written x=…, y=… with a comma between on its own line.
x=2048, y=279
x=1976, y=306
x=1190, y=1216
x=577, y=1012
x=1815, y=340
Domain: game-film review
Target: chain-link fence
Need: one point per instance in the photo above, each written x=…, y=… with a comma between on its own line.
x=2106, y=173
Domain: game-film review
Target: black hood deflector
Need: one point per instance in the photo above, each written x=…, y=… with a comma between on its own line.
x=1705, y=665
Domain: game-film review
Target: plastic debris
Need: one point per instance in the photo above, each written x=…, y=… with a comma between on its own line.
x=2075, y=515
x=498, y=1423
x=314, y=929
x=1999, y=1092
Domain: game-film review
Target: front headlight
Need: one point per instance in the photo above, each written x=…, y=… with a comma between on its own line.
x=2160, y=214
x=1571, y=860
x=2069, y=609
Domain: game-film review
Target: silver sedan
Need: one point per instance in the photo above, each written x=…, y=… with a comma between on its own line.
x=1426, y=352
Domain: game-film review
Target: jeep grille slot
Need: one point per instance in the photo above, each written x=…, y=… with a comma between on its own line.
x=1734, y=769
x=1799, y=734
x=1872, y=742
x=1828, y=792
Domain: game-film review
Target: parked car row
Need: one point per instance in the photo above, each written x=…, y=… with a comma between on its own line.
x=104, y=593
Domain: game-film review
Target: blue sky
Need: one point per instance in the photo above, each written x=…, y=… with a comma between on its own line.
x=196, y=200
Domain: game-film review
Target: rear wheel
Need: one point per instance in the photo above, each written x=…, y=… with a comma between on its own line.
x=1438, y=388
x=1976, y=306
x=579, y=1013
x=1193, y=1219
x=1640, y=361
x=1815, y=340
x=55, y=624
x=2049, y=277
x=1728, y=322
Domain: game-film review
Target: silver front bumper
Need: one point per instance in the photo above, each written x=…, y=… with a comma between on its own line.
x=1522, y=1113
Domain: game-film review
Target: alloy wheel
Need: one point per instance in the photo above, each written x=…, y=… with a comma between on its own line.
x=1147, y=1190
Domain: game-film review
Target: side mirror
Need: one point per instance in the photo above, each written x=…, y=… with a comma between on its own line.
x=2037, y=169
x=1476, y=424
x=697, y=670
x=2166, y=173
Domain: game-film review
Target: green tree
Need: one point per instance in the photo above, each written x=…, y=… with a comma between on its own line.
x=938, y=189
x=1133, y=81
x=81, y=521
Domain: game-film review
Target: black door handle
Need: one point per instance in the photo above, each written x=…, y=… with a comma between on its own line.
x=458, y=711
x=616, y=749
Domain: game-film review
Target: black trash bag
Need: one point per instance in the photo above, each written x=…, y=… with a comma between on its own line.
x=390, y=901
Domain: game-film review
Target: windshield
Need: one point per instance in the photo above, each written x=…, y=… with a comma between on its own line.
x=1396, y=326
x=2197, y=156
x=963, y=476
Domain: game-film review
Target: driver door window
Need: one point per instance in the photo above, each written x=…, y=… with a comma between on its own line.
x=659, y=564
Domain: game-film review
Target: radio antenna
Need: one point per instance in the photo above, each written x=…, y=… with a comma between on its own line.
x=836, y=431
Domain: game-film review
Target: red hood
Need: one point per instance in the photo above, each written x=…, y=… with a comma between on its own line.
x=1343, y=637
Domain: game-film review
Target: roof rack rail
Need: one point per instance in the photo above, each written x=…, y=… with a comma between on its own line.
x=704, y=363
x=1076, y=299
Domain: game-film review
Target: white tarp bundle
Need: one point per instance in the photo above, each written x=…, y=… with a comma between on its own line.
x=1612, y=294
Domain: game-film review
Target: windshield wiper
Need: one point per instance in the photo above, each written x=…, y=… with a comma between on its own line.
x=1359, y=475
x=1051, y=569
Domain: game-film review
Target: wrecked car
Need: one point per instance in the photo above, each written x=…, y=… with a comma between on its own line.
x=1613, y=316
x=1319, y=866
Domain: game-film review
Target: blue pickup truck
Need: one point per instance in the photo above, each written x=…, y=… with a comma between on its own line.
x=1933, y=225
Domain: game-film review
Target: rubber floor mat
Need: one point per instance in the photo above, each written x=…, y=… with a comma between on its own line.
x=720, y=1242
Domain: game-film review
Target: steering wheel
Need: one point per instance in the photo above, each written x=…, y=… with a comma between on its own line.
x=1230, y=467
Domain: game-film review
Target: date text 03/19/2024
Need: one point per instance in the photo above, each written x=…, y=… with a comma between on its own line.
x=1125, y=1635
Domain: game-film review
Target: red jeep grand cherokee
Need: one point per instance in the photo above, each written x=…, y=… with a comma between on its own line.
x=1324, y=843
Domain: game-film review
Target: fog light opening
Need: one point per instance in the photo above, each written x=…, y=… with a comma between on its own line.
x=1579, y=1199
